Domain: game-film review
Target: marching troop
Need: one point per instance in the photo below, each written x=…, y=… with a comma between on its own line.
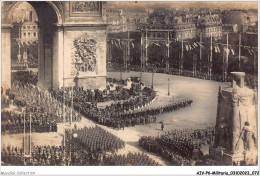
x=178, y=146
x=121, y=114
x=131, y=159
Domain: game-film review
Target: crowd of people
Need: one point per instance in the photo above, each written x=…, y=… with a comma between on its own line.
x=13, y=123
x=89, y=146
x=25, y=77
x=5, y=101
x=40, y=156
x=44, y=110
x=121, y=114
x=50, y=155
x=95, y=140
x=249, y=79
x=177, y=146
x=131, y=159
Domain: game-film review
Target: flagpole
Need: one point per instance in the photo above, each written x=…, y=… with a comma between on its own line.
x=181, y=51
x=200, y=52
x=30, y=134
x=141, y=49
x=71, y=106
x=63, y=110
x=128, y=52
x=226, y=62
x=146, y=46
x=210, y=69
x=24, y=138
x=168, y=51
x=239, y=52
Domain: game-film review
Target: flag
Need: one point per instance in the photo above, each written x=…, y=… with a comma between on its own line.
x=218, y=49
x=116, y=44
x=201, y=45
x=187, y=48
x=157, y=44
x=215, y=48
x=232, y=52
x=249, y=51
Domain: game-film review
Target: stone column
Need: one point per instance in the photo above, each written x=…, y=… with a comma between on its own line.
x=45, y=56
x=58, y=58
x=40, y=58
x=6, y=56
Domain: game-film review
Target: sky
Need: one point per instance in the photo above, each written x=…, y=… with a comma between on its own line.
x=141, y=5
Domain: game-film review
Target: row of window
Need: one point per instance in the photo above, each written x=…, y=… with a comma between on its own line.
x=214, y=34
x=29, y=27
x=215, y=29
x=29, y=34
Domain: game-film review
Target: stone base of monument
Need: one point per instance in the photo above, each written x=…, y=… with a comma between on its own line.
x=223, y=157
x=95, y=82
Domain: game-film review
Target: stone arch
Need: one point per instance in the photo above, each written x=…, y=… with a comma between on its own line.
x=50, y=15
x=56, y=6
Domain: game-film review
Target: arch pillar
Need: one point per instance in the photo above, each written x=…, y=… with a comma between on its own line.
x=6, y=56
x=46, y=55
x=58, y=55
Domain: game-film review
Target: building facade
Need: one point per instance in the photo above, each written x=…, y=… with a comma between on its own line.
x=230, y=28
x=209, y=25
x=29, y=31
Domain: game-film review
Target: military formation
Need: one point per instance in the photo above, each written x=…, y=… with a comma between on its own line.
x=13, y=123
x=121, y=114
x=178, y=146
x=40, y=156
x=91, y=146
x=41, y=111
x=96, y=140
x=131, y=159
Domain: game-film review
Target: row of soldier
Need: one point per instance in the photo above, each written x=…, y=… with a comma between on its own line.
x=181, y=143
x=54, y=156
x=114, y=116
x=14, y=123
x=131, y=159
x=95, y=139
x=151, y=144
x=40, y=156
x=44, y=103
